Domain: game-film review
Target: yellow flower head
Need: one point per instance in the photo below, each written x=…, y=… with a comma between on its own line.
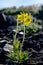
x=20, y=17
x=27, y=21
x=25, y=18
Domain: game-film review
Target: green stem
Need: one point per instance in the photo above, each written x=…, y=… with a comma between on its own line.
x=16, y=32
x=23, y=35
x=23, y=39
x=17, y=29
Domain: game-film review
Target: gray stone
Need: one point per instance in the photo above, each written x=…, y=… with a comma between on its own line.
x=8, y=48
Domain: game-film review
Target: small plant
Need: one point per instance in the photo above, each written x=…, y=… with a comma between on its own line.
x=33, y=28
x=17, y=54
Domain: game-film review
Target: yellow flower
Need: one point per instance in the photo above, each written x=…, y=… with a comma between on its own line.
x=25, y=15
x=25, y=18
x=27, y=21
x=20, y=18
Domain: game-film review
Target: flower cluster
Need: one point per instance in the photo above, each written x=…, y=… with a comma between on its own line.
x=24, y=18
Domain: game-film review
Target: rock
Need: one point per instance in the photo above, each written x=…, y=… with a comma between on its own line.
x=6, y=21
x=11, y=22
x=41, y=51
x=3, y=23
x=36, y=46
x=35, y=37
x=41, y=36
x=6, y=24
x=34, y=51
x=2, y=43
x=8, y=48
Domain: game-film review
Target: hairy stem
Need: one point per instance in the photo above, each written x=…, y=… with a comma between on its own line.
x=23, y=35
x=16, y=32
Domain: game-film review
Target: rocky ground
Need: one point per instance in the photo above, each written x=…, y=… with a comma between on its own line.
x=33, y=43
